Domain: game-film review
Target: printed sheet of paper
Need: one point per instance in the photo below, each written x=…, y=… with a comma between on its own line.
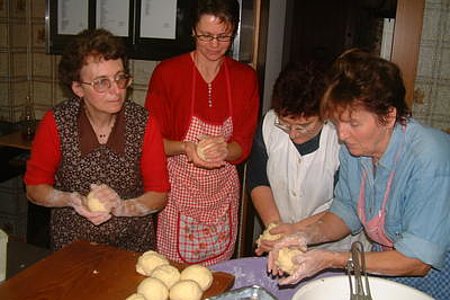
x=158, y=19
x=72, y=16
x=113, y=15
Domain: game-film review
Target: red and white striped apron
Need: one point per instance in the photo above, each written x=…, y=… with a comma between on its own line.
x=199, y=222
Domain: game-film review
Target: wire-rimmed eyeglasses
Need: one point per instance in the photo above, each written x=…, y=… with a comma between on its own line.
x=303, y=129
x=206, y=38
x=102, y=84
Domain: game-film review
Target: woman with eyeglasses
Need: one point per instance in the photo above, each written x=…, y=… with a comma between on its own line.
x=394, y=182
x=207, y=106
x=294, y=163
x=97, y=143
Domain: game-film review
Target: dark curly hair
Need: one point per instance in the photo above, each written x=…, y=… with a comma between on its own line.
x=226, y=10
x=298, y=90
x=360, y=79
x=99, y=44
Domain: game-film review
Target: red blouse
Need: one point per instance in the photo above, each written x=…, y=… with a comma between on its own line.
x=170, y=92
x=46, y=156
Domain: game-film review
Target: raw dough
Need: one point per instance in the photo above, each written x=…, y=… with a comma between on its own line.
x=186, y=290
x=149, y=261
x=168, y=274
x=135, y=296
x=266, y=235
x=153, y=289
x=284, y=260
x=201, y=147
x=200, y=274
x=94, y=204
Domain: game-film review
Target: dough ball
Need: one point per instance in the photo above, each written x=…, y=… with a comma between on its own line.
x=94, y=204
x=168, y=274
x=201, y=147
x=149, y=261
x=186, y=290
x=135, y=296
x=284, y=260
x=266, y=235
x=200, y=274
x=154, y=289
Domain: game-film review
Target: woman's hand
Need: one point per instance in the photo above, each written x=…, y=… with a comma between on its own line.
x=297, y=240
x=213, y=150
x=284, y=229
x=308, y=264
x=78, y=202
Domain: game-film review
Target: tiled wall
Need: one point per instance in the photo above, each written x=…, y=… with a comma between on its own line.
x=432, y=105
x=27, y=70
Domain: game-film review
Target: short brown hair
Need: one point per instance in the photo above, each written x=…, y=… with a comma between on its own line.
x=226, y=10
x=97, y=43
x=361, y=79
x=298, y=90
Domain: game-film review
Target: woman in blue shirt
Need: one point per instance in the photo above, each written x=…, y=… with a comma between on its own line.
x=394, y=182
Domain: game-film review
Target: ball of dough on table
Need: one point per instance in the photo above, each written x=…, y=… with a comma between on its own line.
x=94, y=204
x=153, y=289
x=135, y=296
x=266, y=235
x=186, y=290
x=200, y=274
x=284, y=259
x=168, y=274
x=149, y=261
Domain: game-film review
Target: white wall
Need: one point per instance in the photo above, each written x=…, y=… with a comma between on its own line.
x=274, y=54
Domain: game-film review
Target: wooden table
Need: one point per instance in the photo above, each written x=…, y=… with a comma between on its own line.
x=15, y=140
x=83, y=270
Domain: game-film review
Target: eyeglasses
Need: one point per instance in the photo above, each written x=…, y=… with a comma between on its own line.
x=222, y=38
x=103, y=84
x=304, y=129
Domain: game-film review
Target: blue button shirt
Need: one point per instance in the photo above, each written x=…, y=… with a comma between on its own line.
x=418, y=209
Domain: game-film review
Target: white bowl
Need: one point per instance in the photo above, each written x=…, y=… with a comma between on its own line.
x=338, y=288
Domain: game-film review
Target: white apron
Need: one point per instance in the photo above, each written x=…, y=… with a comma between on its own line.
x=301, y=185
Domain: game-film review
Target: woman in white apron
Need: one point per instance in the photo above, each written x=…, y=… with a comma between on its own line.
x=394, y=182
x=294, y=162
x=204, y=97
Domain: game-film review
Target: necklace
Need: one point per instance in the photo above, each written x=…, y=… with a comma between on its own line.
x=102, y=133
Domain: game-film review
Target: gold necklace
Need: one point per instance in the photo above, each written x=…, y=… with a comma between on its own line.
x=102, y=135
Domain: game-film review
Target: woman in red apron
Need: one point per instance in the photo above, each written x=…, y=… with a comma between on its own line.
x=204, y=96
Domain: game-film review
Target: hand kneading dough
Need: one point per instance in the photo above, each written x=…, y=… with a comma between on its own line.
x=168, y=274
x=149, y=261
x=267, y=235
x=284, y=260
x=135, y=296
x=94, y=204
x=202, y=146
x=186, y=290
x=200, y=274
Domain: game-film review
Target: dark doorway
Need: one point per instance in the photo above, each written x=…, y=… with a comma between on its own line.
x=322, y=29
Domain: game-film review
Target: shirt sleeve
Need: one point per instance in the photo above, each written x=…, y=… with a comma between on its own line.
x=345, y=193
x=154, y=162
x=245, y=111
x=257, y=163
x=45, y=153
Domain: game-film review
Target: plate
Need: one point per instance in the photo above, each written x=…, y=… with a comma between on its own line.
x=250, y=271
x=338, y=288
